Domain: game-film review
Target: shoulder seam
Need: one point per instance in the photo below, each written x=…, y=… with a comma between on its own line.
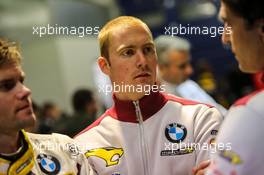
x=185, y=101
x=96, y=122
x=244, y=100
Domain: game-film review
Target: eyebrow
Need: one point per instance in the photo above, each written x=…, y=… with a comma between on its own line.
x=150, y=43
x=23, y=76
x=125, y=47
x=133, y=46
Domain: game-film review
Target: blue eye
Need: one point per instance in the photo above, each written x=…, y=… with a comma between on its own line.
x=128, y=52
x=148, y=50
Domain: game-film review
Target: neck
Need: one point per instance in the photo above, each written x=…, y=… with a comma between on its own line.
x=124, y=110
x=9, y=142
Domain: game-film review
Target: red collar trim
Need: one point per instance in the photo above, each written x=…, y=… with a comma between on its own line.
x=149, y=105
x=262, y=77
x=244, y=100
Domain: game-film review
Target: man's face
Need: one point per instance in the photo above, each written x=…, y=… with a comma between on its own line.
x=15, y=103
x=178, y=68
x=132, y=56
x=247, y=44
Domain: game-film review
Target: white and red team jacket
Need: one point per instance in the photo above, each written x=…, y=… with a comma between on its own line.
x=243, y=128
x=45, y=154
x=151, y=136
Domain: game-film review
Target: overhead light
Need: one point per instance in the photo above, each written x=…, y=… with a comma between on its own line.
x=197, y=10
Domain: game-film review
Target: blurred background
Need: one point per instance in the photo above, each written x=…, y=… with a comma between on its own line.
x=60, y=66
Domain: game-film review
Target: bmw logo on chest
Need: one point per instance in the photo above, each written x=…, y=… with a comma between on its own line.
x=175, y=132
x=48, y=164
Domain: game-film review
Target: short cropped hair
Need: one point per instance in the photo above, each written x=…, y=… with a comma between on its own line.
x=9, y=53
x=109, y=28
x=249, y=10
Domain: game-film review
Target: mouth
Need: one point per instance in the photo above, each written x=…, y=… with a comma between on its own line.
x=24, y=107
x=143, y=75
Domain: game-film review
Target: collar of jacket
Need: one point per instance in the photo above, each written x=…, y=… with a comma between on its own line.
x=22, y=165
x=149, y=105
x=262, y=76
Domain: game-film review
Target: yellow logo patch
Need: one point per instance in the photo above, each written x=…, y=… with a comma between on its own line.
x=231, y=157
x=110, y=155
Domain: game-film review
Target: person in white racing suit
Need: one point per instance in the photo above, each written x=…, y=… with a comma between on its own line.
x=145, y=132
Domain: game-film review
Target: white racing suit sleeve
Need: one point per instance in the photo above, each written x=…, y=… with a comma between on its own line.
x=85, y=168
x=206, y=126
x=242, y=130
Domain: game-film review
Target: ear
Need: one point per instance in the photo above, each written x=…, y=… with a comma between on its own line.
x=104, y=65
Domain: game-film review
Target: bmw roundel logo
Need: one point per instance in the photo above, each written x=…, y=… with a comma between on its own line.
x=48, y=164
x=175, y=132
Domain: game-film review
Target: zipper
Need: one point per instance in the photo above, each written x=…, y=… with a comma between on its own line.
x=143, y=144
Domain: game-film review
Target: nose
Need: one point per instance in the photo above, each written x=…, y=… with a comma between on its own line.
x=142, y=59
x=189, y=70
x=226, y=36
x=23, y=92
